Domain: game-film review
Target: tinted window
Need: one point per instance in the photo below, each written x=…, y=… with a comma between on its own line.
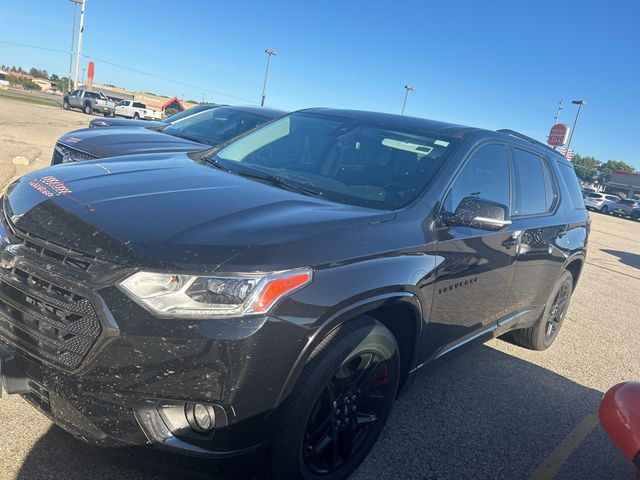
x=612, y=198
x=139, y=105
x=486, y=175
x=187, y=113
x=568, y=175
x=345, y=160
x=530, y=196
x=215, y=126
x=91, y=95
x=594, y=195
x=550, y=188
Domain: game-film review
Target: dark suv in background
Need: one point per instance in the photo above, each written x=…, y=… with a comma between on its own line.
x=278, y=292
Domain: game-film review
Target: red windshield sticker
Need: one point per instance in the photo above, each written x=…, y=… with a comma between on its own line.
x=58, y=186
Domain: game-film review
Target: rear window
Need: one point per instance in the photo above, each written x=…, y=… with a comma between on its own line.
x=568, y=175
x=611, y=198
x=594, y=195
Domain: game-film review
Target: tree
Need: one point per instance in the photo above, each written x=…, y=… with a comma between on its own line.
x=606, y=169
x=586, y=167
x=34, y=72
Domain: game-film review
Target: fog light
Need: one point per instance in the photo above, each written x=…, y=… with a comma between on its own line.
x=201, y=417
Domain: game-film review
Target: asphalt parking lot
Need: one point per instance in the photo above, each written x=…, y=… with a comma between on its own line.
x=495, y=412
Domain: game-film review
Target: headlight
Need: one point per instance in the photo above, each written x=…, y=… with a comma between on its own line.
x=177, y=295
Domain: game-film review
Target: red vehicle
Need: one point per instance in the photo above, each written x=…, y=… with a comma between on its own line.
x=620, y=417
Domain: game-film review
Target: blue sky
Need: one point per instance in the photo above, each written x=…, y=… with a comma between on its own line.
x=492, y=64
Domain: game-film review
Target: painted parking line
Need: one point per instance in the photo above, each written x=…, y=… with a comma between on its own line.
x=565, y=448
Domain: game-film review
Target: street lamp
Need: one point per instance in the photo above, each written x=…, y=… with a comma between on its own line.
x=408, y=88
x=73, y=34
x=270, y=53
x=580, y=103
x=79, y=52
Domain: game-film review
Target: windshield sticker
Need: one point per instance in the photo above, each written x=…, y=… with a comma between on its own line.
x=441, y=143
x=420, y=150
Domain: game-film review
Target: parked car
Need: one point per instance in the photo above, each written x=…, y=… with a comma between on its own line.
x=276, y=293
x=124, y=122
x=620, y=417
x=89, y=102
x=136, y=111
x=627, y=208
x=199, y=131
x=602, y=202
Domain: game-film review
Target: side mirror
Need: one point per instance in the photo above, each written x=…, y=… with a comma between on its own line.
x=479, y=213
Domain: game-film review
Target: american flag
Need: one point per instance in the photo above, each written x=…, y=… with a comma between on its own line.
x=568, y=155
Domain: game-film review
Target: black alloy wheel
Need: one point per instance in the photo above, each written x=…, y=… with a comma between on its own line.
x=346, y=412
x=557, y=312
x=333, y=416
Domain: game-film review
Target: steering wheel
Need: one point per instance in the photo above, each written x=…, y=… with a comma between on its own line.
x=398, y=187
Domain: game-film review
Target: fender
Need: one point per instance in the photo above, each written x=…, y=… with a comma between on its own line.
x=344, y=315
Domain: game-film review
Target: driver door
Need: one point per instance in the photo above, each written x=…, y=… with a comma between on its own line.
x=474, y=277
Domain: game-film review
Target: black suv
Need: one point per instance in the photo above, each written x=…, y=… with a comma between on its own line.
x=277, y=292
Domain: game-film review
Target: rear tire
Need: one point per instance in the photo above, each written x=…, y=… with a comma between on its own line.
x=87, y=109
x=333, y=417
x=136, y=116
x=605, y=209
x=542, y=335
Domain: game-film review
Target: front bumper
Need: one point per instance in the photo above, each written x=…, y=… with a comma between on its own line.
x=239, y=365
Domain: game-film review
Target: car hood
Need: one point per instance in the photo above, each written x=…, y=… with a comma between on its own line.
x=168, y=211
x=125, y=122
x=107, y=142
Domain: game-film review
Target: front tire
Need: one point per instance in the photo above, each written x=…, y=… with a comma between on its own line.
x=542, y=335
x=334, y=415
x=65, y=104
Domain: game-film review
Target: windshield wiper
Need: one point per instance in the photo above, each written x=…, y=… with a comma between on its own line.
x=216, y=163
x=282, y=183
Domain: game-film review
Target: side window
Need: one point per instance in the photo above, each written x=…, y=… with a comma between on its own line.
x=139, y=105
x=550, y=188
x=573, y=186
x=530, y=185
x=486, y=175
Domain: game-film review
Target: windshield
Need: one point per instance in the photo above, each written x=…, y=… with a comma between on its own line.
x=347, y=161
x=214, y=126
x=187, y=113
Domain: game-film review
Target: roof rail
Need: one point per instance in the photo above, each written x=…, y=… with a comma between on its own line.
x=524, y=137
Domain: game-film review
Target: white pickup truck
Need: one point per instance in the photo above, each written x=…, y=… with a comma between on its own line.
x=137, y=111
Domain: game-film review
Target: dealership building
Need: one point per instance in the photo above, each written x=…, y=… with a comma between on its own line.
x=625, y=184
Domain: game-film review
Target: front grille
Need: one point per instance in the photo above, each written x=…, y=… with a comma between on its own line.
x=48, y=320
x=64, y=154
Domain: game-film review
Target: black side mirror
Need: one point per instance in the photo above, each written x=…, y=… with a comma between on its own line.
x=479, y=213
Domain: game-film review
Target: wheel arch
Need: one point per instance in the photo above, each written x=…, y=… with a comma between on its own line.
x=398, y=311
x=574, y=267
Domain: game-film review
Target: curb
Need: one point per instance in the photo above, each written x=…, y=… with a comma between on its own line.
x=26, y=157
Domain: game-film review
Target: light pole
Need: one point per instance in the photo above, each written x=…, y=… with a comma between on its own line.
x=580, y=103
x=79, y=53
x=73, y=34
x=83, y=70
x=270, y=53
x=408, y=88
x=557, y=117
